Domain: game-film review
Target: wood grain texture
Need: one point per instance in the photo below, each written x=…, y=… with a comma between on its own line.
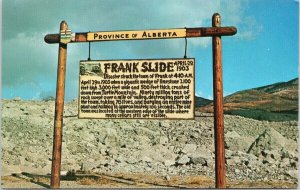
x=218, y=106
x=59, y=110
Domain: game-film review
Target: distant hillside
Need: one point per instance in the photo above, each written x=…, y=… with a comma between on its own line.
x=275, y=102
x=199, y=102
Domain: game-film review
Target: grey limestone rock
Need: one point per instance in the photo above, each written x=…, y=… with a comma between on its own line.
x=189, y=149
x=182, y=160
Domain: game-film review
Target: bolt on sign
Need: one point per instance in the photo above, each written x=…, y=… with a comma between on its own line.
x=157, y=89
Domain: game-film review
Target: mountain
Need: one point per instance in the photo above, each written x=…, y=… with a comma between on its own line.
x=275, y=102
x=200, y=102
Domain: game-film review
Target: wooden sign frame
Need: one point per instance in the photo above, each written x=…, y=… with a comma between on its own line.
x=216, y=31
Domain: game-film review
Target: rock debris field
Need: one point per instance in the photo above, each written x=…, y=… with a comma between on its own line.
x=255, y=150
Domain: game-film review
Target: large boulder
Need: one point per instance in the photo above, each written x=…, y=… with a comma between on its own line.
x=111, y=138
x=182, y=160
x=198, y=158
x=189, y=148
x=270, y=140
x=236, y=142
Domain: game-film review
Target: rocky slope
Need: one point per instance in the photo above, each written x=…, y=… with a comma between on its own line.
x=255, y=150
x=275, y=102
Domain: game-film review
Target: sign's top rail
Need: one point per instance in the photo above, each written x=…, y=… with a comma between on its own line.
x=144, y=34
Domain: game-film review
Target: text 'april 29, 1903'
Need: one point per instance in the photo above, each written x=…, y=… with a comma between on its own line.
x=161, y=89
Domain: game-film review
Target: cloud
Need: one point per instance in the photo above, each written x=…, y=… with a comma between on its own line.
x=30, y=63
x=25, y=57
x=235, y=13
x=199, y=94
x=27, y=67
x=250, y=30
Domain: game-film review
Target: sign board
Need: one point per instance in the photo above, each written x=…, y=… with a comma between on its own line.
x=136, y=35
x=157, y=89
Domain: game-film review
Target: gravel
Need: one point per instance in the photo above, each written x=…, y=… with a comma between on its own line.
x=255, y=150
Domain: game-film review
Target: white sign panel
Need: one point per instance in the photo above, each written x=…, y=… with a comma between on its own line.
x=136, y=35
x=157, y=89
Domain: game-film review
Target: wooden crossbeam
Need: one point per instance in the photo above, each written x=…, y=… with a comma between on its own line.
x=189, y=33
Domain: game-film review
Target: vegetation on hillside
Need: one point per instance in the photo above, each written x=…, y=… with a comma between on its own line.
x=275, y=102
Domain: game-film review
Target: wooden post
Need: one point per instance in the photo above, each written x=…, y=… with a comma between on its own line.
x=59, y=110
x=218, y=106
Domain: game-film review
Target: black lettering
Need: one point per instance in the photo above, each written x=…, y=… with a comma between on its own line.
x=106, y=66
x=162, y=67
x=133, y=93
x=135, y=69
x=170, y=67
x=144, y=34
x=128, y=67
x=144, y=67
x=114, y=67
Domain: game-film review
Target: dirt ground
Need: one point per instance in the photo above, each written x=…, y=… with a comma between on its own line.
x=122, y=180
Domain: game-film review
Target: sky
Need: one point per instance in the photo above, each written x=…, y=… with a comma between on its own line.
x=264, y=51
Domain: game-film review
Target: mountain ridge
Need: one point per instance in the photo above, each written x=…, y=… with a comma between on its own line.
x=274, y=102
